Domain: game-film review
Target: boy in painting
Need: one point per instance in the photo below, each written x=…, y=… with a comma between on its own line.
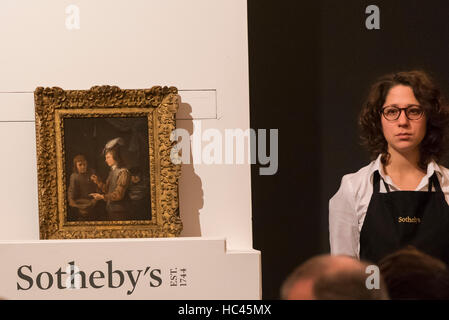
x=80, y=188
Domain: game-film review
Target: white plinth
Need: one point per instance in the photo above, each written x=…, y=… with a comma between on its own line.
x=178, y=268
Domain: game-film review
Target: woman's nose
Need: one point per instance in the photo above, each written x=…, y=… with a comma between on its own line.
x=403, y=120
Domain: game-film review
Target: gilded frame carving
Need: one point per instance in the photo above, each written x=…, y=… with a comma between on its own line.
x=159, y=105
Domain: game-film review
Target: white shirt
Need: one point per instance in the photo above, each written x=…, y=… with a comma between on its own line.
x=347, y=208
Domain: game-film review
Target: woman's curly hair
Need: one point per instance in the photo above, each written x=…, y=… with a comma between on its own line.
x=434, y=145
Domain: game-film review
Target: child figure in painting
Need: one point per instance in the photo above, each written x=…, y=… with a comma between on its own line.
x=79, y=189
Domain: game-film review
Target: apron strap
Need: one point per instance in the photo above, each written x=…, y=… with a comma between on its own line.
x=433, y=181
x=386, y=186
x=376, y=182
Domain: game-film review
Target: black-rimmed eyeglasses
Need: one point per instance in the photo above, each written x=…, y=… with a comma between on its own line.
x=412, y=112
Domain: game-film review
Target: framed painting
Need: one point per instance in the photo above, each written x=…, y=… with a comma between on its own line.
x=104, y=163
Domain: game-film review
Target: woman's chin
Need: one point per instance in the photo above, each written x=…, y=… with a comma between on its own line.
x=405, y=147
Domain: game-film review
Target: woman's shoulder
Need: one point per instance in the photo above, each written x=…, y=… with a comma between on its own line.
x=353, y=186
x=444, y=171
x=363, y=175
x=356, y=184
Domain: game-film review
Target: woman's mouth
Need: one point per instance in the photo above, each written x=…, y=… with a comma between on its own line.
x=403, y=135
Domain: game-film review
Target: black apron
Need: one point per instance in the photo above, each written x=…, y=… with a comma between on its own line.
x=397, y=219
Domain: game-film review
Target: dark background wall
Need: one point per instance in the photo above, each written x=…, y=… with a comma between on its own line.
x=311, y=64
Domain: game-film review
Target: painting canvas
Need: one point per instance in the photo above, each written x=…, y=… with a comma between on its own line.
x=107, y=159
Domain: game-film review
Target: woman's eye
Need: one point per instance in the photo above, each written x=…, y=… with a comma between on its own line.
x=391, y=112
x=414, y=111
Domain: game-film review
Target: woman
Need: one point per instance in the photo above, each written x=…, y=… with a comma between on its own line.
x=114, y=190
x=400, y=198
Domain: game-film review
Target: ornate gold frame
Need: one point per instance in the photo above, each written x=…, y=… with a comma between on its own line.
x=160, y=105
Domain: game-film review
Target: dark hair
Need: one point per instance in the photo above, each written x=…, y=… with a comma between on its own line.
x=78, y=158
x=433, y=146
x=412, y=274
x=135, y=171
x=116, y=155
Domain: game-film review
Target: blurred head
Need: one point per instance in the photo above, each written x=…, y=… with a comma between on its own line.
x=412, y=274
x=135, y=175
x=409, y=132
x=329, y=277
x=79, y=164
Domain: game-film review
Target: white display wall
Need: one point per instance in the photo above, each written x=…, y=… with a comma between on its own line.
x=199, y=46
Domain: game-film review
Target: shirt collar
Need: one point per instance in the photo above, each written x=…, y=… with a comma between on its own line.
x=432, y=167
